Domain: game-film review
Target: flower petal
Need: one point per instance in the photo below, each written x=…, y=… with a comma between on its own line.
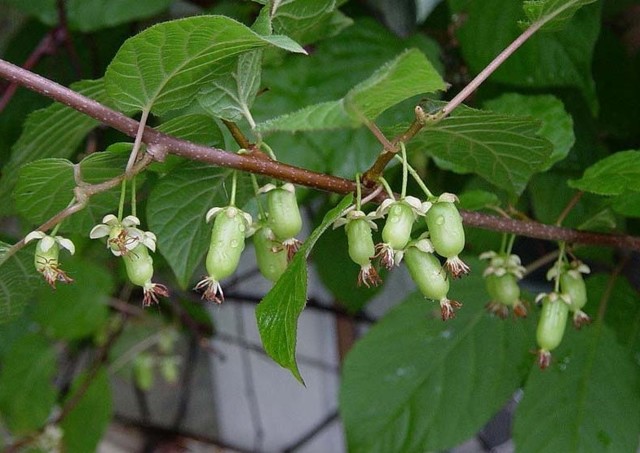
x=267, y=188
x=211, y=213
x=46, y=243
x=130, y=220
x=100, y=230
x=37, y=234
x=110, y=219
x=67, y=244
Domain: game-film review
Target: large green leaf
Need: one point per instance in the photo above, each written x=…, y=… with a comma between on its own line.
x=76, y=310
x=55, y=131
x=96, y=406
x=557, y=124
x=27, y=393
x=164, y=67
x=612, y=175
x=409, y=74
x=44, y=188
x=47, y=186
x=277, y=314
x=504, y=150
x=415, y=383
x=91, y=15
x=553, y=13
x=176, y=213
x=586, y=401
x=545, y=60
x=18, y=280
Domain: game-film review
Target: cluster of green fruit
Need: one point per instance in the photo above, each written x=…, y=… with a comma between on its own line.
x=569, y=295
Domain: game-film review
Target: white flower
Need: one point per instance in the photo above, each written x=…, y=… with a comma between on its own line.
x=46, y=241
x=123, y=236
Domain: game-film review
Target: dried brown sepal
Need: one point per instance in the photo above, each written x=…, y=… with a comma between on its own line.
x=385, y=256
x=544, y=359
x=448, y=308
x=456, y=267
x=580, y=319
x=368, y=276
x=152, y=292
x=211, y=290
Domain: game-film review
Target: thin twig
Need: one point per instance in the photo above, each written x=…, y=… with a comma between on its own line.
x=567, y=209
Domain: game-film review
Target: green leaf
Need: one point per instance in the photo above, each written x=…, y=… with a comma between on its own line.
x=545, y=60
x=475, y=200
x=623, y=308
x=27, y=394
x=557, y=124
x=504, y=150
x=409, y=74
x=196, y=128
x=587, y=400
x=164, y=67
x=550, y=195
x=405, y=382
x=612, y=175
x=627, y=204
x=277, y=314
x=176, y=212
x=44, y=188
x=55, y=131
x=307, y=21
x=78, y=309
x=91, y=15
x=18, y=280
x=230, y=97
x=96, y=406
x=553, y=13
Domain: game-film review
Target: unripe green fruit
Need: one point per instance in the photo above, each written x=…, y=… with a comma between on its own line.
x=44, y=260
x=503, y=289
x=284, y=215
x=139, y=265
x=575, y=288
x=427, y=273
x=553, y=320
x=270, y=255
x=143, y=371
x=445, y=229
x=227, y=244
x=361, y=246
x=397, y=228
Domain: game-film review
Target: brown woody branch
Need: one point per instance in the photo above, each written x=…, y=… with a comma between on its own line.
x=260, y=165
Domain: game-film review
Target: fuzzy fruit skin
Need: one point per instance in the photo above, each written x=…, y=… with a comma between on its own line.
x=427, y=273
x=139, y=265
x=445, y=229
x=361, y=246
x=284, y=215
x=272, y=264
x=397, y=228
x=503, y=289
x=552, y=323
x=226, y=246
x=575, y=288
x=48, y=259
